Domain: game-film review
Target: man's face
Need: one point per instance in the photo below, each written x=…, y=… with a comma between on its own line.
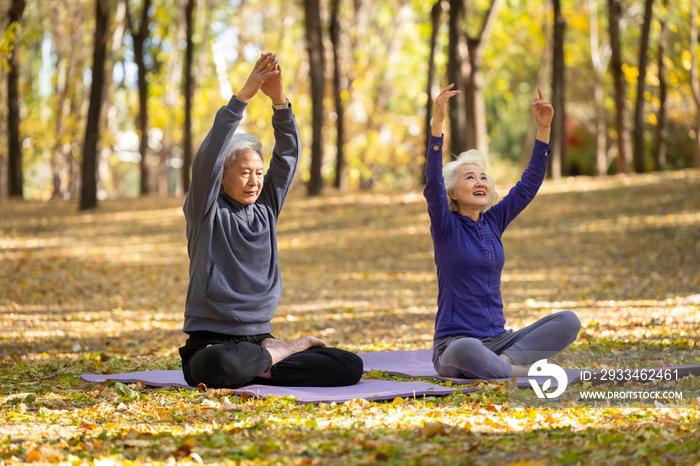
x=243, y=180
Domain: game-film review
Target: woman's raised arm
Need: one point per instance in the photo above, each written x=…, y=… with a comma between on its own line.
x=525, y=190
x=435, y=186
x=440, y=112
x=544, y=112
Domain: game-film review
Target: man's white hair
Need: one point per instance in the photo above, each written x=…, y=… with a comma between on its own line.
x=451, y=170
x=239, y=144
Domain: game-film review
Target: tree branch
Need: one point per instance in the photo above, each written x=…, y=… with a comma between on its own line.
x=489, y=22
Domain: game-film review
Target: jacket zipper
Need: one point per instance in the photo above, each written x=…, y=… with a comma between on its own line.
x=488, y=281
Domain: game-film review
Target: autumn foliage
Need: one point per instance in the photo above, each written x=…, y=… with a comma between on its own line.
x=104, y=292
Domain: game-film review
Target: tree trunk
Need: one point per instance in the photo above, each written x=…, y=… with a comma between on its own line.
x=3, y=145
x=189, y=90
x=78, y=95
x=662, y=120
x=457, y=68
x=204, y=17
x=476, y=107
x=694, y=85
x=600, y=63
x=173, y=81
x=58, y=160
x=558, y=166
x=108, y=117
x=356, y=31
x=73, y=167
x=624, y=156
x=341, y=181
x=139, y=37
x=64, y=68
x=14, y=175
x=163, y=169
x=88, y=190
x=639, y=110
x=435, y=14
x=314, y=47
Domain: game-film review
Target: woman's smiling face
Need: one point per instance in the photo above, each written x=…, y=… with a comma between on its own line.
x=473, y=190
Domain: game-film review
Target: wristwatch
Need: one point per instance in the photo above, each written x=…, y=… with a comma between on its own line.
x=282, y=106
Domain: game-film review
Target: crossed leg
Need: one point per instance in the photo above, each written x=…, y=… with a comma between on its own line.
x=303, y=362
x=511, y=356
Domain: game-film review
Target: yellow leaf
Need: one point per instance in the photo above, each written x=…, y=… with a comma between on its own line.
x=494, y=408
x=398, y=400
x=431, y=429
x=49, y=453
x=33, y=456
x=88, y=424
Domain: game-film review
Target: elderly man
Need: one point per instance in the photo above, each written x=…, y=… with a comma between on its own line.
x=235, y=283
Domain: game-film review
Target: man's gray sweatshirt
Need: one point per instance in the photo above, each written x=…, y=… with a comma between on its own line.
x=235, y=281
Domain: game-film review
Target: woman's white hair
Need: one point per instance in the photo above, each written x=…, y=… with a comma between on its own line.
x=240, y=143
x=451, y=170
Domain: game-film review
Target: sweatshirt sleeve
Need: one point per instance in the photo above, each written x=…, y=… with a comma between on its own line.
x=208, y=163
x=524, y=191
x=434, y=192
x=285, y=157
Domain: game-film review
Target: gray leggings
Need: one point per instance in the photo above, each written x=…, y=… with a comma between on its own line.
x=477, y=357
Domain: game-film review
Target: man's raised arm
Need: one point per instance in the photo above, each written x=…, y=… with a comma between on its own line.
x=285, y=155
x=208, y=164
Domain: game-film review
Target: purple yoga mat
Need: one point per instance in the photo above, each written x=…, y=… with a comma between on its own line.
x=372, y=390
x=419, y=364
x=173, y=378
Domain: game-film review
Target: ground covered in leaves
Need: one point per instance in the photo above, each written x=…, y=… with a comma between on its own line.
x=103, y=292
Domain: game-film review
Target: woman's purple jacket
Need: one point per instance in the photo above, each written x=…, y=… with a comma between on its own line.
x=468, y=254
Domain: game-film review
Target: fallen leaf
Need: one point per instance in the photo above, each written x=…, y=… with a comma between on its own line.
x=431, y=429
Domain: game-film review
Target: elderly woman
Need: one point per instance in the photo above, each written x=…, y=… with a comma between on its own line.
x=466, y=226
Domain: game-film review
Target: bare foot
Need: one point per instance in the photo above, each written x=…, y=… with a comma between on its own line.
x=519, y=370
x=280, y=350
x=506, y=358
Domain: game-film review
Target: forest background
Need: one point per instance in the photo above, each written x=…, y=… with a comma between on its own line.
x=361, y=76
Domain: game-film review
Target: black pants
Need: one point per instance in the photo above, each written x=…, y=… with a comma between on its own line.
x=227, y=361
